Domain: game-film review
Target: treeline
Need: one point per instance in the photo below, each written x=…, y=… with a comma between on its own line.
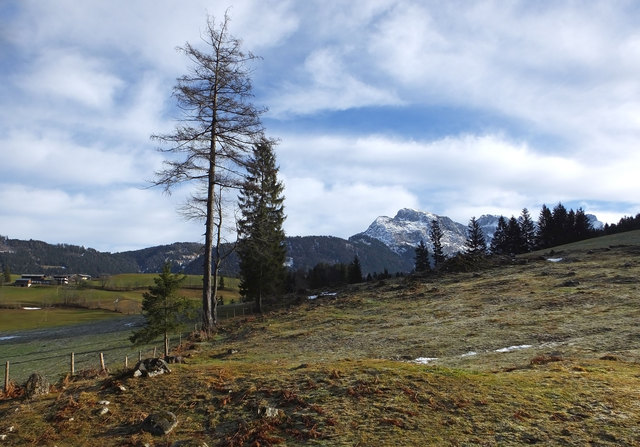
x=554, y=227
x=39, y=257
x=333, y=275
x=627, y=223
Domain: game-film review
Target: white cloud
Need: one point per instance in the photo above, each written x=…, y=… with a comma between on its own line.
x=55, y=159
x=68, y=75
x=110, y=220
x=339, y=208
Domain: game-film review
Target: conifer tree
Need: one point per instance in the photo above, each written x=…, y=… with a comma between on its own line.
x=162, y=308
x=527, y=230
x=422, y=257
x=355, y=271
x=475, y=244
x=435, y=234
x=515, y=241
x=582, y=227
x=545, y=234
x=499, y=241
x=261, y=246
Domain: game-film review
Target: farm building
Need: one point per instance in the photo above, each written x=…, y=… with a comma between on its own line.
x=22, y=282
x=38, y=278
x=61, y=279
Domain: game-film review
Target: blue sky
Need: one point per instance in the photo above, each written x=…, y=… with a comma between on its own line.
x=457, y=108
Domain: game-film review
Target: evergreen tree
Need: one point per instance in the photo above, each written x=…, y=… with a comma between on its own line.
x=422, y=257
x=545, y=234
x=435, y=234
x=6, y=273
x=582, y=227
x=515, y=241
x=562, y=227
x=261, y=246
x=527, y=230
x=355, y=271
x=499, y=241
x=475, y=244
x=162, y=308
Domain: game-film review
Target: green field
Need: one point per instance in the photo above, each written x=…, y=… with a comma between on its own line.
x=21, y=319
x=120, y=293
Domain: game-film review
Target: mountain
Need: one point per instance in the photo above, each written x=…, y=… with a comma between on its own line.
x=404, y=232
x=387, y=244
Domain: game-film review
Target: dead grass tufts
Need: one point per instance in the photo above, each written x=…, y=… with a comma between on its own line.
x=544, y=359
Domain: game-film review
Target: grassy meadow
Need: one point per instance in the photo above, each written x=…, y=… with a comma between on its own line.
x=60, y=305
x=533, y=352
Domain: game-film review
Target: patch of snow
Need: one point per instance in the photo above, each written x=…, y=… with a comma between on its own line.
x=8, y=337
x=554, y=259
x=425, y=360
x=513, y=348
x=313, y=297
x=469, y=354
x=32, y=308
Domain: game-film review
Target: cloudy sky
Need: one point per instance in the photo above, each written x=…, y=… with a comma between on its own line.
x=454, y=107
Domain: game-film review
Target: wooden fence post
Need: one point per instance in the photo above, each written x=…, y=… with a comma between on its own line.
x=73, y=364
x=154, y=352
x=6, y=377
x=102, y=367
x=126, y=362
x=139, y=356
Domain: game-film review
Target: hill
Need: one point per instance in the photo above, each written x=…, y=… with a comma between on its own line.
x=542, y=351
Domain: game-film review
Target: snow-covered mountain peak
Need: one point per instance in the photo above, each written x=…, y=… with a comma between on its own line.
x=405, y=231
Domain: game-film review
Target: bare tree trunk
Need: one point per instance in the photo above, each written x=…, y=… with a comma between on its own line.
x=207, y=287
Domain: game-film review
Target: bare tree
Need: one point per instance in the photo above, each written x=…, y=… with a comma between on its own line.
x=218, y=127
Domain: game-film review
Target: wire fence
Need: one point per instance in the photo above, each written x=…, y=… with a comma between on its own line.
x=57, y=357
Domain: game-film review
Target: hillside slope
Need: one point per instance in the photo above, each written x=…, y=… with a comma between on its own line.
x=543, y=352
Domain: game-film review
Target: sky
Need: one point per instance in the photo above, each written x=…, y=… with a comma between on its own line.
x=458, y=108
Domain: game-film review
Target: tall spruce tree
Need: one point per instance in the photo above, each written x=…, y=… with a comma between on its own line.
x=545, y=233
x=436, y=234
x=527, y=230
x=261, y=246
x=499, y=241
x=218, y=126
x=582, y=226
x=475, y=244
x=162, y=308
x=514, y=237
x=422, y=257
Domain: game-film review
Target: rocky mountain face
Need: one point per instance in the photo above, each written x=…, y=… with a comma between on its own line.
x=404, y=232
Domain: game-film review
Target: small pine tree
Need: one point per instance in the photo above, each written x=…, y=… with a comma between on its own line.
x=475, y=244
x=6, y=273
x=162, y=308
x=436, y=234
x=354, y=271
x=422, y=257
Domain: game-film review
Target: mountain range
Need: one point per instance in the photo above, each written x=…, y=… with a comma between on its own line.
x=387, y=244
